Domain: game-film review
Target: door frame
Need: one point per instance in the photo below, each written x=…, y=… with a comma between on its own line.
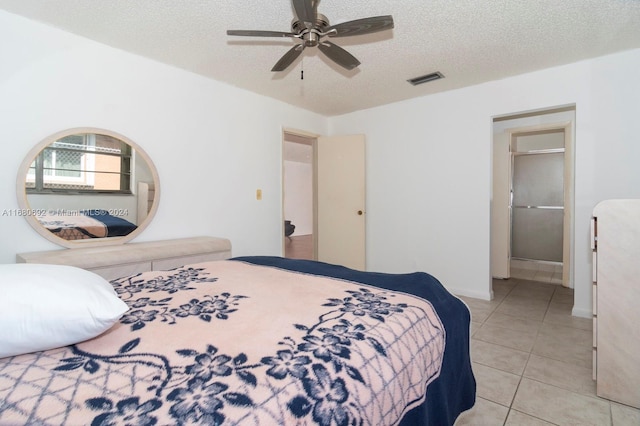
x=569, y=184
x=350, y=250
x=312, y=137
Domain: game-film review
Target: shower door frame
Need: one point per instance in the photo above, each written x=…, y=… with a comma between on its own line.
x=513, y=207
x=568, y=222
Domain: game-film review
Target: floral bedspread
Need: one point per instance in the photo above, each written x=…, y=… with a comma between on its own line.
x=228, y=342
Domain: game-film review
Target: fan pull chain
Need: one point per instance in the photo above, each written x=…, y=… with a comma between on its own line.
x=302, y=77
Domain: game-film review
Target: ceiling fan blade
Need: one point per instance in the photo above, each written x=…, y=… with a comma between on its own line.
x=361, y=26
x=306, y=10
x=338, y=55
x=254, y=33
x=288, y=58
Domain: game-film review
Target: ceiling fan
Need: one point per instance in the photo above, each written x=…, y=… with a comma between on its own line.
x=312, y=28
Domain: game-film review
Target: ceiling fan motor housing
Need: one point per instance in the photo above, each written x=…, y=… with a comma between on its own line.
x=310, y=34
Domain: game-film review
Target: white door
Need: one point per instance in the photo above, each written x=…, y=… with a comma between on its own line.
x=500, y=227
x=340, y=200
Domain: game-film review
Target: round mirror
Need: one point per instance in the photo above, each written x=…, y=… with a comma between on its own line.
x=83, y=187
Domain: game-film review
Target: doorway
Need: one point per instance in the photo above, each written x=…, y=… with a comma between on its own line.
x=529, y=140
x=298, y=172
x=324, y=184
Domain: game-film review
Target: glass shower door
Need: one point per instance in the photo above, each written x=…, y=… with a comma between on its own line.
x=537, y=206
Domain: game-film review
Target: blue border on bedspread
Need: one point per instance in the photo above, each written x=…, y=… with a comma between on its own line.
x=116, y=226
x=454, y=391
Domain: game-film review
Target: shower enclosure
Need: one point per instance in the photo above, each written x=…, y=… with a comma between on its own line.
x=537, y=197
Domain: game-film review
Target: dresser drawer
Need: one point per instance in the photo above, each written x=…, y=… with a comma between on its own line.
x=117, y=261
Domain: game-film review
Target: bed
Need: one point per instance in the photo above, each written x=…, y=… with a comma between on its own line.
x=251, y=340
x=85, y=224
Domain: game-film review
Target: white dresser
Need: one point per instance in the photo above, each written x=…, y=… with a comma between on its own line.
x=118, y=261
x=615, y=242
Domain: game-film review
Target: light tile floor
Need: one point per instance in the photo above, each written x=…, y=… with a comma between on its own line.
x=532, y=361
x=536, y=271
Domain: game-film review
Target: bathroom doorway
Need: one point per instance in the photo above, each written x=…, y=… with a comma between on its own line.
x=523, y=145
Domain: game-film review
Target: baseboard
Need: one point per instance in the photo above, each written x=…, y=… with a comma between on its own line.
x=482, y=295
x=582, y=313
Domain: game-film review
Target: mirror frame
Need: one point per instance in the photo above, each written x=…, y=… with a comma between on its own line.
x=23, y=201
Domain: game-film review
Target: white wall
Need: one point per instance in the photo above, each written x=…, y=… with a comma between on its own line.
x=298, y=196
x=429, y=167
x=210, y=162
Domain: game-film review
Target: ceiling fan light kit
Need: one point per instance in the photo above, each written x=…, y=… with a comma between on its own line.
x=312, y=29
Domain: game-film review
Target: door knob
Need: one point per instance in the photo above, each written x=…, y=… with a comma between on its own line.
x=359, y=212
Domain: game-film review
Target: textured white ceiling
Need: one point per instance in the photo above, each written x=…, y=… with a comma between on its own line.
x=469, y=41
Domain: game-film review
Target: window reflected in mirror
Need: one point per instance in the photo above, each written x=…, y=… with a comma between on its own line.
x=86, y=162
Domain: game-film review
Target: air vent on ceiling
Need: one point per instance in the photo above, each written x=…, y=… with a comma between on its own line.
x=426, y=78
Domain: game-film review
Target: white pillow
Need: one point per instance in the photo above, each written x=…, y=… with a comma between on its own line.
x=49, y=306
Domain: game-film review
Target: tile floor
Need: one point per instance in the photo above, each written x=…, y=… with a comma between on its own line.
x=532, y=361
x=536, y=271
